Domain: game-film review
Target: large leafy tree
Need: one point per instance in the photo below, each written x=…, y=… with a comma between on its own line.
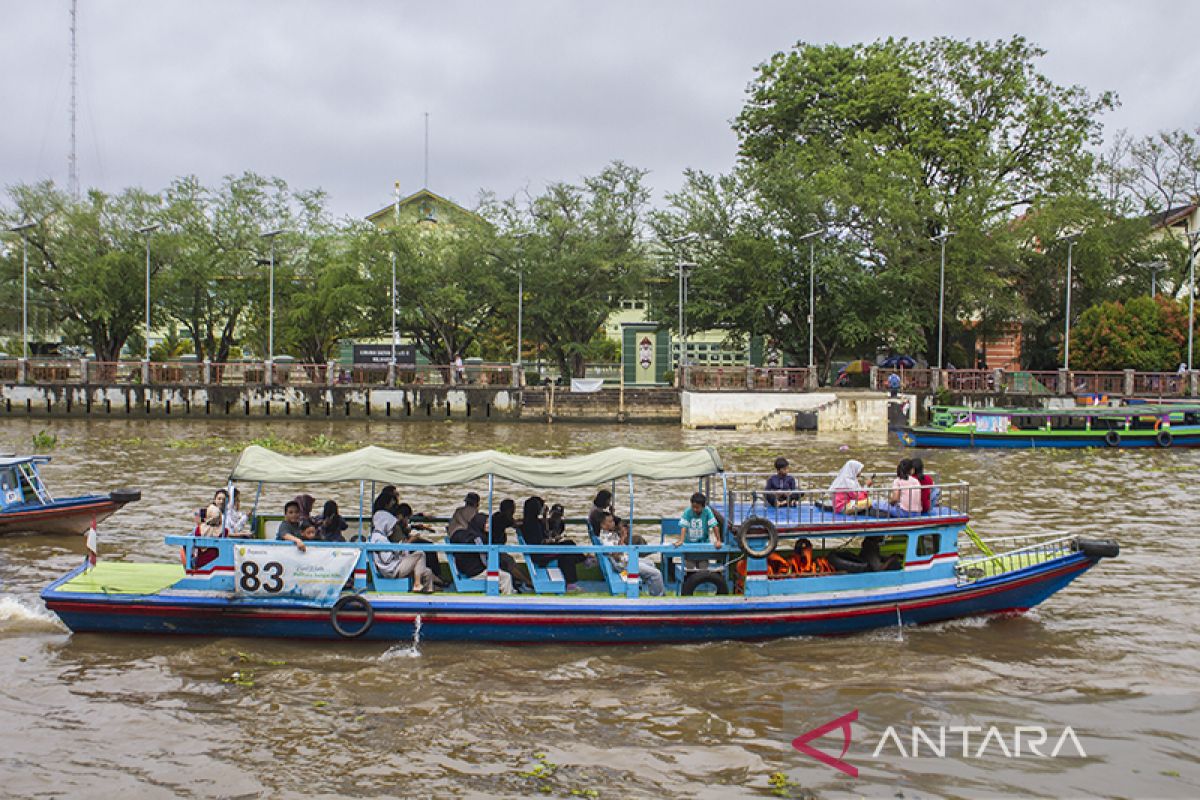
x=581, y=250
x=1142, y=334
x=894, y=142
x=87, y=260
x=448, y=284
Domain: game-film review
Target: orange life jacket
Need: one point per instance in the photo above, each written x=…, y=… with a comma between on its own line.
x=803, y=563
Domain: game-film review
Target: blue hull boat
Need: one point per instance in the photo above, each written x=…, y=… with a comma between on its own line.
x=26, y=505
x=848, y=573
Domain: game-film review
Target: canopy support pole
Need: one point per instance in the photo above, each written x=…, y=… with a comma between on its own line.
x=361, y=487
x=254, y=508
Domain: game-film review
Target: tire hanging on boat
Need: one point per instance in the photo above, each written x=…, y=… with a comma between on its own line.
x=845, y=561
x=1099, y=548
x=351, y=602
x=697, y=579
x=1112, y=439
x=1163, y=438
x=757, y=528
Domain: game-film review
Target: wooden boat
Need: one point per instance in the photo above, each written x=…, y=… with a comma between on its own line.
x=255, y=587
x=1142, y=425
x=26, y=505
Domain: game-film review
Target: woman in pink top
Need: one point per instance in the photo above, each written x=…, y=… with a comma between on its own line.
x=905, y=496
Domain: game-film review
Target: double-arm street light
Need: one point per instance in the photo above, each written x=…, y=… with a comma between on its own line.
x=1155, y=267
x=146, y=231
x=21, y=229
x=270, y=236
x=812, y=292
x=941, y=237
x=1192, y=240
x=682, y=267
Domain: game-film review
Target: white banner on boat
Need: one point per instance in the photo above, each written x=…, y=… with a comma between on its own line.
x=317, y=574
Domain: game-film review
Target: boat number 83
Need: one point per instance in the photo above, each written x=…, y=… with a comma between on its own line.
x=267, y=578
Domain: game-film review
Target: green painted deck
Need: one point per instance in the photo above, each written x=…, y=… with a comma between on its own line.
x=115, y=577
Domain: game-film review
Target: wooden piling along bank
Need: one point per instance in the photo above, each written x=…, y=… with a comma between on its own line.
x=411, y=404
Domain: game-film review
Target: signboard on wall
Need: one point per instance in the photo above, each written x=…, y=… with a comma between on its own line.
x=382, y=354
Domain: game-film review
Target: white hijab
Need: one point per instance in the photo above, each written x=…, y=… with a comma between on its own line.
x=847, y=478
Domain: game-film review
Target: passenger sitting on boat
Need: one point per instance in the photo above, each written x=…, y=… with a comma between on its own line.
x=556, y=525
x=293, y=528
x=534, y=532
x=405, y=532
x=698, y=525
x=927, y=499
x=611, y=536
x=905, y=496
x=212, y=518
x=850, y=496
x=804, y=563
x=502, y=521
x=781, y=487
x=874, y=559
x=330, y=526
x=463, y=515
x=306, y=501
x=472, y=565
x=602, y=504
x=393, y=563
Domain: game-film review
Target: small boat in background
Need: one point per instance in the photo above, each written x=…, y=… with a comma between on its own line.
x=1142, y=425
x=26, y=505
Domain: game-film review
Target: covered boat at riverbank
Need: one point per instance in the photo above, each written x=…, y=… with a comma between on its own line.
x=26, y=505
x=1160, y=425
x=936, y=568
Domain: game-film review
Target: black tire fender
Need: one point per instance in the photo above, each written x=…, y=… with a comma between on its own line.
x=1099, y=548
x=845, y=561
x=757, y=527
x=1163, y=438
x=125, y=495
x=351, y=602
x=1112, y=439
x=697, y=579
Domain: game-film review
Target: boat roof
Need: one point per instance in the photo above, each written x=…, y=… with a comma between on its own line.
x=11, y=461
x=1140, y=410
x=410, y=469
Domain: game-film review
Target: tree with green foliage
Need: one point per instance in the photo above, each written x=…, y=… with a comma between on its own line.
x=888, y=144
x=447, y=284
x=86, y=260
x=580, y=248
x=1148, y=335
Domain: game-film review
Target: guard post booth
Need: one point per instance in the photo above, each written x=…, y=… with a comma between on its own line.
x=645, y=353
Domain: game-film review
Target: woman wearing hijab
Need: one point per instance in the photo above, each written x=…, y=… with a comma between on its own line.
x=331, y=526
x=306, y=502
x=850, y=496
x=533, y=530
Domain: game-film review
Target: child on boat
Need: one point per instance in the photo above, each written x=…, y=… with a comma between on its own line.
x=697, y=525
x=393, y=563
x=905, y=496
x=294, y=528
x=781, y=487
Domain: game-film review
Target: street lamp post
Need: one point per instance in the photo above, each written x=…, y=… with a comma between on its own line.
x=1067, y=334
x=24, y=285
x=146, y=231
x=270, y=236
x=941, y=237
x=1193, y=238
x=812, y=289
x=393, y=309
x=682, y=267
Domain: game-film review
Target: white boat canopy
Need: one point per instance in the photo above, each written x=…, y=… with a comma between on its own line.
x=409, y=469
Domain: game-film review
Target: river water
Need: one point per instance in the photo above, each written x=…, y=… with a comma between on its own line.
x=1114, y=656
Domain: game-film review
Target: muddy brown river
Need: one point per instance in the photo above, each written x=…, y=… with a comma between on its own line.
x=1115, y=656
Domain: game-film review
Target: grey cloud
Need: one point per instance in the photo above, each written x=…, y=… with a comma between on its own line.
x=332, y=94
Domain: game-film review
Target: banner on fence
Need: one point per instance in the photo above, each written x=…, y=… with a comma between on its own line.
x=382, y=354
x=283, y=570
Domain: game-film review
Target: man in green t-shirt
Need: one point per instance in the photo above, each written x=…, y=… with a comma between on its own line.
x=698, y=525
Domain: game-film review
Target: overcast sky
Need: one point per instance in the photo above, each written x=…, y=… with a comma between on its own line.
x=333, y=94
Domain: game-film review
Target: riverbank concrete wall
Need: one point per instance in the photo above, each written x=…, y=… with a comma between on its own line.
x=824, y=411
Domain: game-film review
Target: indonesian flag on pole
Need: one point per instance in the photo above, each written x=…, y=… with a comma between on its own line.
x=90, y=544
